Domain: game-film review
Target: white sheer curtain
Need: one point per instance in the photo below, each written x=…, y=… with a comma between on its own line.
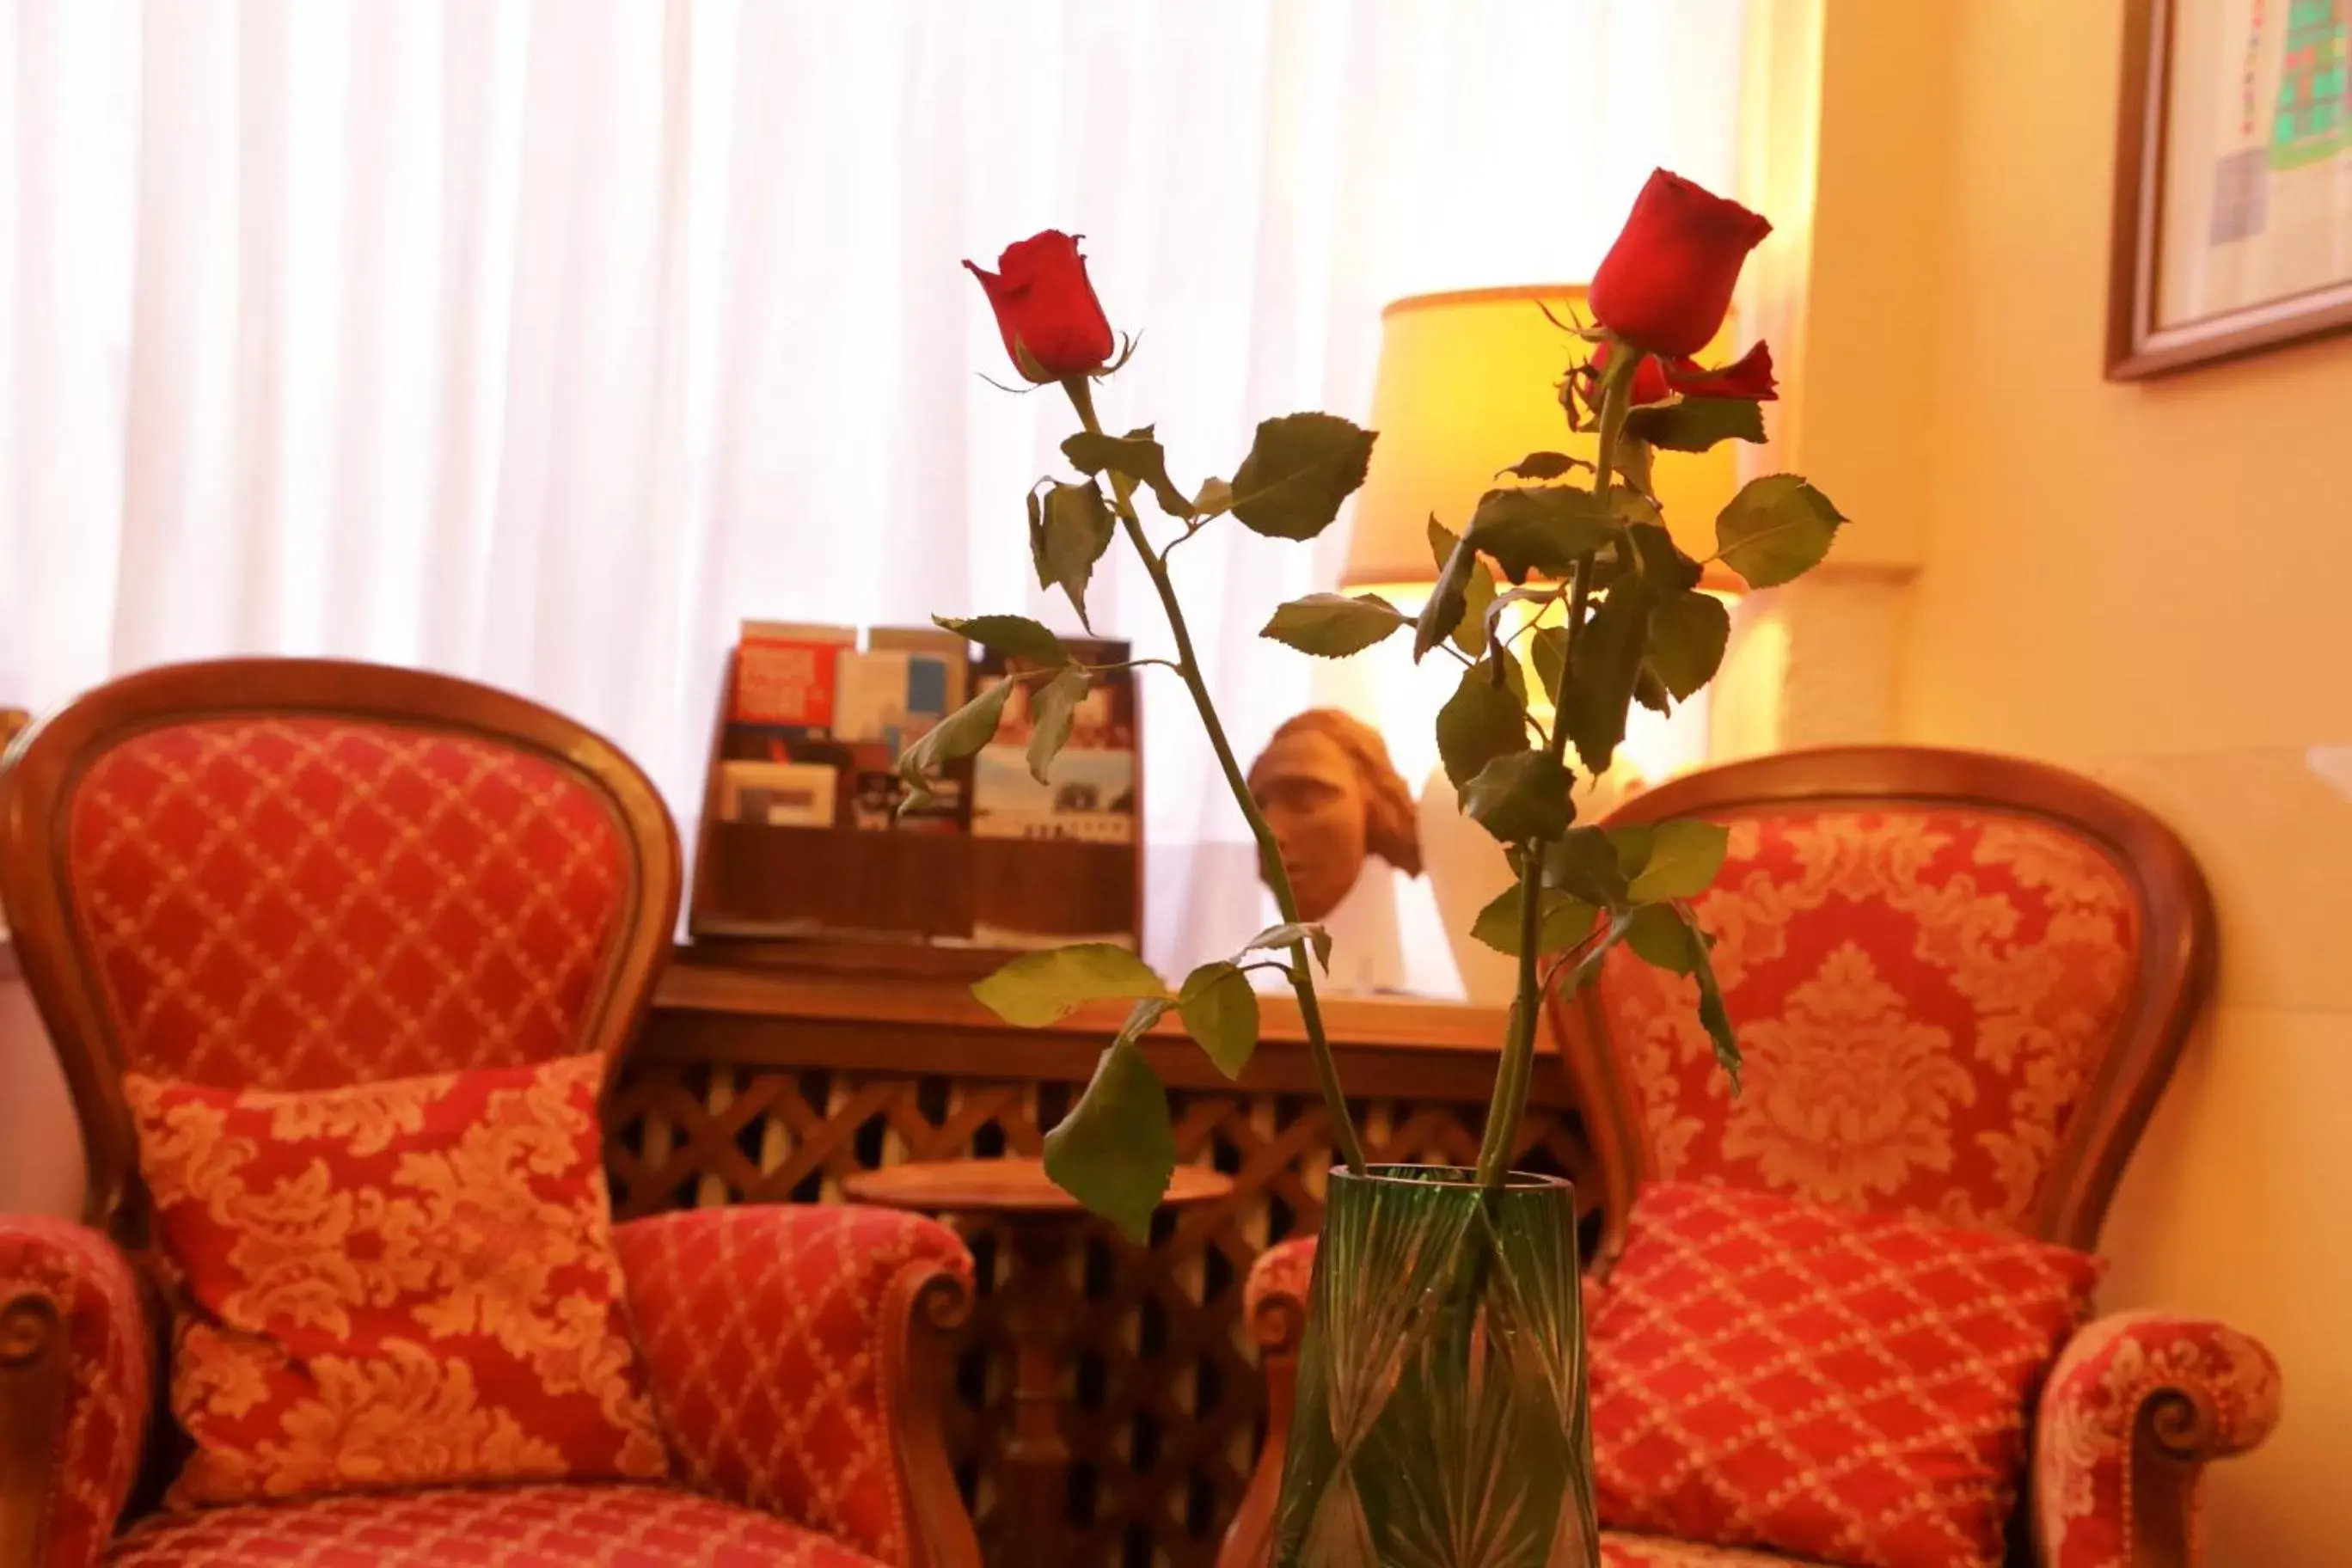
x=541, y=340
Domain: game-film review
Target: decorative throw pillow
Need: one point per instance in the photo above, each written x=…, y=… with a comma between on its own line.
x=1851, y=1388
x=393, y=1283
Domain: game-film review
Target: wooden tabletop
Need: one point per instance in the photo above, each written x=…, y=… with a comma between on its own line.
x=847, y=984
x=1008, y=1187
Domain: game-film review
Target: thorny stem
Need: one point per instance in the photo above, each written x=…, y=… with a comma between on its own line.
x=1278, y=877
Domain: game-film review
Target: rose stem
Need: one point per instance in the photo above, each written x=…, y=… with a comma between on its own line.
x=1517, y=1065
x=1277, y=877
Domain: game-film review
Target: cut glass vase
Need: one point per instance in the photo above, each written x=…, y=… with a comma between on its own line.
x=1441, y=1418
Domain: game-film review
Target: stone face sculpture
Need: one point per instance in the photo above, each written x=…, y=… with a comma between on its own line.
x=1332, y=797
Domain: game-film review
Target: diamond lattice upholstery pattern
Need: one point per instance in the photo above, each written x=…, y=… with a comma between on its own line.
x=2083, y=1442
x=1768, y=1372
x=1923, y=995
x=90, y=1284
x=395, y=1283
x=489, y=1527
x=298, y=902
x=764, y=1337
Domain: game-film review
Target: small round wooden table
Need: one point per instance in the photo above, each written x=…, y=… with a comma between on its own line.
x=1042, y=1223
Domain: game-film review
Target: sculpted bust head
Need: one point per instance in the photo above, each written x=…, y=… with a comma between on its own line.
x=1331, y=797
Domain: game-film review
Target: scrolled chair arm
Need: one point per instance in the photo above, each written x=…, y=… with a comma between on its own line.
x=1274, y=1305
x=2137, y=1406
x=798, y=1359
x=76, y=1384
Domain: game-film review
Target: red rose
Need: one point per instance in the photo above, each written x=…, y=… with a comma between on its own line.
x=1046, y=307
x=1667, y=284
x=1748, y=376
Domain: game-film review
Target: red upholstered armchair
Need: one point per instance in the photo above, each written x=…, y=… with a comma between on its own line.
x=294, y=874
x=1960, y=982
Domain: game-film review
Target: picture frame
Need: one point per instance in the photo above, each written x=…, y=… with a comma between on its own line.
x=2233, y=224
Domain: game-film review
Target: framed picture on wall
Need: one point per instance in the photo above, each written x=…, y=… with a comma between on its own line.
x=2233, y=181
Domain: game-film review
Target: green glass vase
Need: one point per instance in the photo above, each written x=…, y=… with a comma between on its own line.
x=1441, y=1417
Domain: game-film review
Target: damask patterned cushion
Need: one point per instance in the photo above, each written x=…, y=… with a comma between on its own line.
x=393, y=1283
x=1847, y=1387
x=1923, y=995
x=485, y=1527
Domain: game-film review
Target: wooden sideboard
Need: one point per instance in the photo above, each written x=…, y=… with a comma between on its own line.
x=768, y=1075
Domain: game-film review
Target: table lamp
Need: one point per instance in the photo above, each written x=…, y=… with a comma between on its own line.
x=1468, y=382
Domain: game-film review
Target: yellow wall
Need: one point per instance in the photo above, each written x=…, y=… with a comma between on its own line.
x=2148, y=582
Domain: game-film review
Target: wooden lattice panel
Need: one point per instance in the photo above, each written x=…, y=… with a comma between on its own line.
x=1163, y=1393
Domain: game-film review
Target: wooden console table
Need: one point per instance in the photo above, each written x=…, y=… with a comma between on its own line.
x=772, y=1081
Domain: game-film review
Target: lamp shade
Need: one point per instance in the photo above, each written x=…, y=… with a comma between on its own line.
x=1468, y=384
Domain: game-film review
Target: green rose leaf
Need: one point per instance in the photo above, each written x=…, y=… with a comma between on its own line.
x=1291, y=935
x=1633, y=841
x=1478, y=594
x=1040, y=988
x=1665, y=568
x=1546, y=466
x=1521, y=796
x=1607, y=662
x=1548, y=651
x=1054, y=710
x=1633, y=464
x=1137, y=455
x=1667, y=937
x=1449, y=600
x=1220, y=1012
x=1776, y=529
x=1441, y=540
x=1712, y=1015
x=1687, y=633
x=1072, y=536
x=1697, y=423
x=1660, y=939
x=1481, y=722
x=1333, y=625
x=1115, y=1150
x=1652, y=693
x=1563, y=922
x=1016, y=637
x=959, y=734
x=1216, y=497
x=1511, y=673
x=1585, y=865
x=1684, y=855
x=1299, y=469
x=1541, y=529
x=1631, y=506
